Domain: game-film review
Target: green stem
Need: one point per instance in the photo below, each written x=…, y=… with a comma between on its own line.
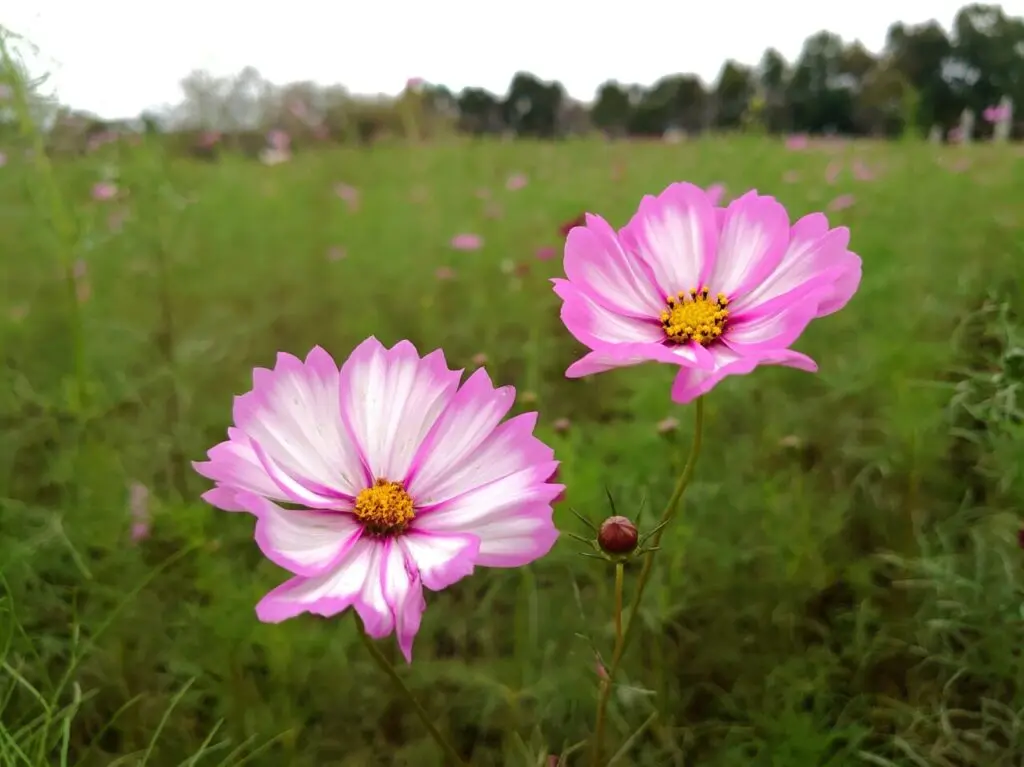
x=387, y=668
x=645, y=573
x=606, y=685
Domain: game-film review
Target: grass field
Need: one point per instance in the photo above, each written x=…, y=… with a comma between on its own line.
x=843, y=586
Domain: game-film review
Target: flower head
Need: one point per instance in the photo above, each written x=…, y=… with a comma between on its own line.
x=716, y=291
x=398, y=479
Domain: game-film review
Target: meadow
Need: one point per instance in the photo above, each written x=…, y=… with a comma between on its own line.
x=843, y=585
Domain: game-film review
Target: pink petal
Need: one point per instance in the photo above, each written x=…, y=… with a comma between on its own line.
x=815, y=257
x=471, y=418
x=509, y=448
x=234, y=464
x=595, y=261
x=440, y=559
x=307, y=543
x=675, y=233
x=293, y=416
x=755, y=333
x=511, y=516
x=627, y=340
x=691, y=383
x=327, y=594
x=403, y=594
x=753, y=238
x=391, y=399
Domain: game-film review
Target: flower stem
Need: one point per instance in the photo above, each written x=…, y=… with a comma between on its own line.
x=606, y=684
x=645, y=573
x=387, y=668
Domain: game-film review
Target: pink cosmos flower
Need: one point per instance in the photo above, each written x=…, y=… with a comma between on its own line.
x=715, y=193
x=467, y=242
x=349, y=194
x=996, y=113
x=515, y=182
x=104, y=190
x=716, y=291
x=405, y=480
x=842, y=202
x=797, y=142
x=546, y=253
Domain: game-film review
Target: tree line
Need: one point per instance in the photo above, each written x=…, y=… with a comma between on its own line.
x=923, y=79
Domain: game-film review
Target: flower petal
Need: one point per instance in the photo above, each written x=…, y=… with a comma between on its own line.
x=327, y=594
x=307, y=543
x=293, y=414
x=691, y=383
x=594, y=325
x=403, y=593
x=471, y=417
x=675, y=234
x=234, y=464
x=756, y=332
x=510, y=516
x=815, y=256
x=617, y=340
x=441, y=559
x=596, y=262
x=754, y=235
x=390, y=400
x=495, y=453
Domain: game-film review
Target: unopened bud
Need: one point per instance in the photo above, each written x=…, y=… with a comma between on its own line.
x=617, y=536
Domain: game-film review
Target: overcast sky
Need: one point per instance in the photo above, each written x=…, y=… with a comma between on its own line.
x=119, y=57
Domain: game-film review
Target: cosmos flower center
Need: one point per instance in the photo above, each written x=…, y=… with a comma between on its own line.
x=385, y=507
x=695, y=316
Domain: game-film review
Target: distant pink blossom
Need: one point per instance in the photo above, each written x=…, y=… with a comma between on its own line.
x=80, y=275
x=336, y=253
x=467, y=242
x=715, y=193
x=444, y=273
x=104, y=190
x=515, y=182
x=862, y=172
x=209, y=139
x=797, y=142
x=138, y=509
x=349, y=194
x=279, y=140
x=832, y=171
x=842, y=202
x=546, y=253
x=996, y=113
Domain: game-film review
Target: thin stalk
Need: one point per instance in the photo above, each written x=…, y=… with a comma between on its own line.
x=387, y=668
x=645, y=573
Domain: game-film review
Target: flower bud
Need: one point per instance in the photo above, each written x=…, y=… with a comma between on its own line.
x=617, y=536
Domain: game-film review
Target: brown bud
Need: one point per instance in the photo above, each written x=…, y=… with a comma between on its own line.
x=617, y=536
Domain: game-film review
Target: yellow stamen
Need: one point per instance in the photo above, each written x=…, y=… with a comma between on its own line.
x=695, y=316
x=385, y=507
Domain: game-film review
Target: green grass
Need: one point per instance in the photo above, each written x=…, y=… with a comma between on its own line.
x=842, y=586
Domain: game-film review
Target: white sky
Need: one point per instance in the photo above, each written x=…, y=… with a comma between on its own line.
x=119, y=57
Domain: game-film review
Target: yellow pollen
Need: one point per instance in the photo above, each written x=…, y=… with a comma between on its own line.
x=695, y=316
x=385, y=507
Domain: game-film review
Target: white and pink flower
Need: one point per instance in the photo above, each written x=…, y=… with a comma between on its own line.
x=396, y=478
